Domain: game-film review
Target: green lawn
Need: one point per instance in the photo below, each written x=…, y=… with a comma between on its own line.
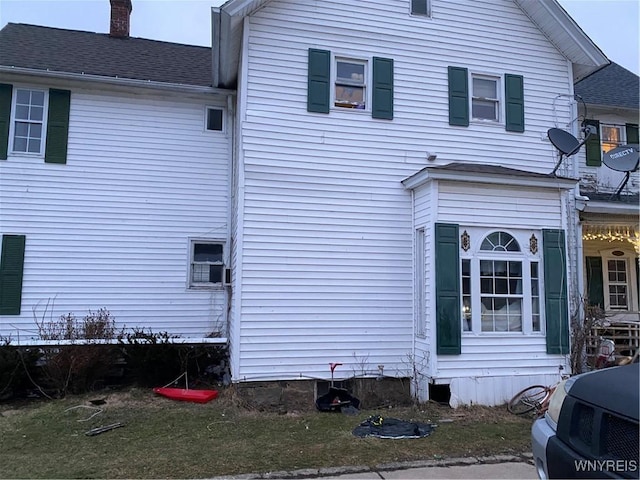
x=162, y=438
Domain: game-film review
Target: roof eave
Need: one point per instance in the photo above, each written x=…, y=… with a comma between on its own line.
x=116, y=81
x=227, y=24
x=429, y=174
x=611, y=208
x=569, y=40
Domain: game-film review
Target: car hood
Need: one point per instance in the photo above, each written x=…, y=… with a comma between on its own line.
x=616, y=389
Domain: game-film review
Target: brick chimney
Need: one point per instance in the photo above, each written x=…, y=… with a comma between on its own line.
x=120, y=13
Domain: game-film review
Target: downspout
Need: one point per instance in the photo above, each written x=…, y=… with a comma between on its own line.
x=215, y=46
x=576, y=202
x=241, y=102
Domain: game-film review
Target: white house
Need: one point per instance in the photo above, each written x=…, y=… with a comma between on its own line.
x=393, y=203
x=379, y=192
x=114, y=181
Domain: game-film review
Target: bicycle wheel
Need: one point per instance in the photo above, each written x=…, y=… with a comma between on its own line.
x=528, y=399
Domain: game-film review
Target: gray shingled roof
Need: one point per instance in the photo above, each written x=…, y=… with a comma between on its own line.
x=612, y=86
x=73, y=51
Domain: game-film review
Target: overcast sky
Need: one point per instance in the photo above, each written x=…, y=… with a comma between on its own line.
x=611, y=24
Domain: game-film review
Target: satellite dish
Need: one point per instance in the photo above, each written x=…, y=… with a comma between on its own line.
x=566, y=143
x=622, y=159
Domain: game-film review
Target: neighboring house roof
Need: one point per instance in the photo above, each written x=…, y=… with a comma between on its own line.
x=46, y=49
x=611, y=86
x=552, y=20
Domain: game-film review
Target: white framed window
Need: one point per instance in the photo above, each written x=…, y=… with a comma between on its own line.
x=500, y=286
x=214, y=119
x=28, y=121
x=617, y=283
x=485, y=97
x=421, y=7
x=206, y=265
x=611, y=136
x=350, y=83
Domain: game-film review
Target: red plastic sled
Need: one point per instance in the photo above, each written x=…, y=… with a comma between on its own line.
x=187, y=395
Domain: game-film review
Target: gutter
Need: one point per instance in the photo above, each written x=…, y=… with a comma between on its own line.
x=476, y=177
x=57, y=343
x=593, y=206
x=116, y=81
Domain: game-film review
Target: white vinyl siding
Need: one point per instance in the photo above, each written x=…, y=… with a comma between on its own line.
x=328, y=233
x=112, y=228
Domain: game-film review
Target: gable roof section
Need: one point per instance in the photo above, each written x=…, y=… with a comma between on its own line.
x=44, y=49
x=550, y=18
x=565, y=35
x=611, y=86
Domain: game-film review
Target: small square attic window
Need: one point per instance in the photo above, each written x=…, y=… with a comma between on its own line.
x=215, y=119
x=421, y=7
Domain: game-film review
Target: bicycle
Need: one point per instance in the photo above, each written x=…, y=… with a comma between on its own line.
x=535, y=397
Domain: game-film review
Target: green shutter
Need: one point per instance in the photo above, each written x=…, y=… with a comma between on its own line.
x=594, y=154
x=5, y=118
x=632, y=133
x=595, y=287
x=448, y=308
x=514, y=108
x=11, y=266
x=382, y=88
x=458, y=96
x=57, y=126
x=319, y=78
x=555, y=291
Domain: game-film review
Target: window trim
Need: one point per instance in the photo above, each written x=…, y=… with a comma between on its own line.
x=474, y=255
x=499, y=100
x=13, y=120
x=191, y=285
x=367, y=83
x=223, y=130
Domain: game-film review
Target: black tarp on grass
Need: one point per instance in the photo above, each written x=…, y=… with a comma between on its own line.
x=383, y=427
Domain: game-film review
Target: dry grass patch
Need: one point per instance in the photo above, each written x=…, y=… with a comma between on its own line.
x=167, y=439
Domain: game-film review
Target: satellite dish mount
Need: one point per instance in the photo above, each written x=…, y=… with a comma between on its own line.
x=566, y=143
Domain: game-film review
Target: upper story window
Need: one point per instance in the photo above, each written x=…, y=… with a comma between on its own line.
x=500, y=287
x=351, y=84
x=28, y=121
x=607, y=137
x=485, y=103
x=421, y=7
x=489, y=99
x=611, y=136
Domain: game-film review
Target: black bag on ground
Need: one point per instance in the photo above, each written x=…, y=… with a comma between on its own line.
x=335, y=400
